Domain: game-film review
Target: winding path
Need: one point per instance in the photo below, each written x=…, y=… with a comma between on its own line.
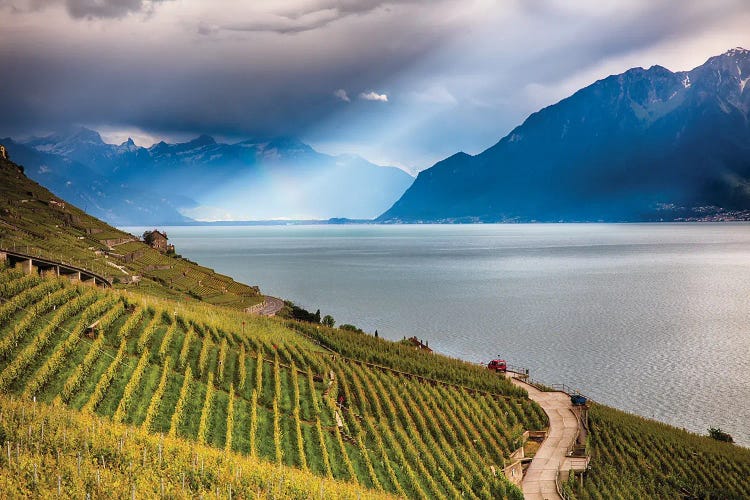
x=271, y=305
x=539, y=480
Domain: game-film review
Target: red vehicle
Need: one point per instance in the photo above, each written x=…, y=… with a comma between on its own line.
x=498, y=365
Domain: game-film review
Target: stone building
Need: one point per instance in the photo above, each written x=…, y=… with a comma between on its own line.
x=158, y=240
x=3, y=152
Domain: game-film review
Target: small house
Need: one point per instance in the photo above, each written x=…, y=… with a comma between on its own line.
x=3, y=152
x=158, y=240
x=418, y=344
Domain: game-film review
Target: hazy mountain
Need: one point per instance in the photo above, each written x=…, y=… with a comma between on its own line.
x=648, y=144
x=275, y=178
x=95, y=193
x=203, y=179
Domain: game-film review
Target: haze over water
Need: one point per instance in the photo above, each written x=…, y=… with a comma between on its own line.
x=652, y=319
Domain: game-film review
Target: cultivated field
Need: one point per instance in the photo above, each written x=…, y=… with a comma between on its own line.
x=262, y=389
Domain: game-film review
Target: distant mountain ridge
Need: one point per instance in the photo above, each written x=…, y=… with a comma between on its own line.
x=275, y=178
x=645, y=145
x=99, y=196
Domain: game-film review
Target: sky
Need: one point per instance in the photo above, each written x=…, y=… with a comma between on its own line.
x=400, y=83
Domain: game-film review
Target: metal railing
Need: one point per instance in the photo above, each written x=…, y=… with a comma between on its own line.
x=558, y=485
x=524, y=374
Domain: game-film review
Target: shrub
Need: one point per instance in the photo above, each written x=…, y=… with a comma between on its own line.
x=719, y=435
x=350, y=328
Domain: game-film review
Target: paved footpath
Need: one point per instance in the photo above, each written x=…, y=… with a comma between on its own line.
x=539, y=480
x=272, y=306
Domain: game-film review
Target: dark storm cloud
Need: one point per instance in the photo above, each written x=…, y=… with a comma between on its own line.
x=628, y=31
x=456, y=75
x=79, y=9
x=171, y=90
x=253, y=86
x=108, y=8
x=311, y=16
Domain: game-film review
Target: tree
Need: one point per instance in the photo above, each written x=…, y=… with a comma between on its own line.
x=328, y=321
x=719, y=435
x=376, y=334
x=148, y=237
x=302, y=314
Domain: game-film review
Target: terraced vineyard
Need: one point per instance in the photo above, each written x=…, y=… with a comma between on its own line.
x=35, y=222
x=255, y=387
x=633, y=457
x=187, y=399
x=53, y=452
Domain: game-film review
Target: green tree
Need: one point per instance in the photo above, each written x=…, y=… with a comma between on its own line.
x=350, y=328
x=328, y=321
x=719, y=435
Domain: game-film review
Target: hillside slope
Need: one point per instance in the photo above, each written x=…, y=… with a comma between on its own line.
x=120, y=461
x=633, y=457
x=645, y=145
x=253, y=386
x=201, y=374
x=34, y=221
x=100, y=196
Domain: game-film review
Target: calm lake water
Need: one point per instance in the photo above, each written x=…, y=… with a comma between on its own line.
x=650, y=318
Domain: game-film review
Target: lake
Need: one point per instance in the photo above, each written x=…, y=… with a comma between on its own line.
x=649, y=318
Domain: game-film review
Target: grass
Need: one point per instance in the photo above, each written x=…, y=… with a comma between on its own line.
x=530, y=448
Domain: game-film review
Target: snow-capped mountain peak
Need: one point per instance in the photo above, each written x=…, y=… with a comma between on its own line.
x=737, y=52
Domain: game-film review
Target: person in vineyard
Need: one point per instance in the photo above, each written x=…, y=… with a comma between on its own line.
x=341, y=400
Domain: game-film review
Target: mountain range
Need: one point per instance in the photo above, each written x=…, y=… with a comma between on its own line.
x=202, y=179
x=645, y=145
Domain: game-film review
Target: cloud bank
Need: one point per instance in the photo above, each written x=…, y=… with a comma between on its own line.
x=89, y=9
x=463, y=74
x=301, y=16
